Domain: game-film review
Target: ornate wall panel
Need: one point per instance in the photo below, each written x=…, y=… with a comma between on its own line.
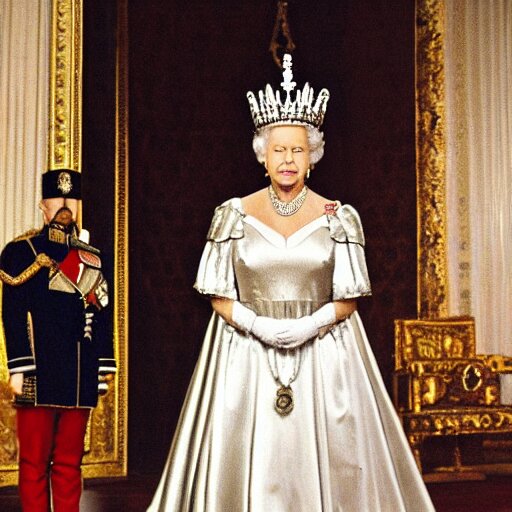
x=106, y=442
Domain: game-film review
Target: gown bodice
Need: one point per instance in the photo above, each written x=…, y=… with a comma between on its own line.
x=284, y=277
x=246, y=260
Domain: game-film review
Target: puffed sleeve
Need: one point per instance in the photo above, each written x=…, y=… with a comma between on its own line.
x=216, y=274
x=350, y=278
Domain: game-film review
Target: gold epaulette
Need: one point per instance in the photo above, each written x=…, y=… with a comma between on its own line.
x=42, y=260
x=28, y=234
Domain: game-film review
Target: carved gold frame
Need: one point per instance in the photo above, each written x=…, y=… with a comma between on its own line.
x=432, y=300
x=65, y=97
x=106, y=441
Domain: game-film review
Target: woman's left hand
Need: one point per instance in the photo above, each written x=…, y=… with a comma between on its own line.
x=299, y=332
x=308, y=327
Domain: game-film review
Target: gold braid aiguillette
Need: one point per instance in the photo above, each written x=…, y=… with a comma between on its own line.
x=42, y=260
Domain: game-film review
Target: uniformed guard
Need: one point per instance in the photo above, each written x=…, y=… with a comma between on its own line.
x=59, y=345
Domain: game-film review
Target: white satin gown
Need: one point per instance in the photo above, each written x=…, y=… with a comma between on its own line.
x=341, y=448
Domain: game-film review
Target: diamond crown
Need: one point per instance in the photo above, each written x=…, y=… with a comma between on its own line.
x=270, y=110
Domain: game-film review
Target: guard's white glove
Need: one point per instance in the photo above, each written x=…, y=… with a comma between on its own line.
x=103, y=381
x=307, y=327
x=266, y=329
x=16, y=383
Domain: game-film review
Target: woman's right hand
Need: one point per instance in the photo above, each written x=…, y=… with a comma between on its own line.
x=16, y=383
x=268, y=330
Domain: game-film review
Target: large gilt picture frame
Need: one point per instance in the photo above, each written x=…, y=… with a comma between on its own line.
x=106, y=439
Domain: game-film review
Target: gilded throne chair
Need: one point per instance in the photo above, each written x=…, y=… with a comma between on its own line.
x=441, y=387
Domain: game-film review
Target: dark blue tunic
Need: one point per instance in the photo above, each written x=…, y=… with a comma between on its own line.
x=55, y=329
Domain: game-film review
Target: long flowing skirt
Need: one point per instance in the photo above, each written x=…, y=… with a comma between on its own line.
x=341, y=448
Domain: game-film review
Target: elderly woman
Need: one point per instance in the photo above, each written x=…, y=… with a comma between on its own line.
x=287, y=411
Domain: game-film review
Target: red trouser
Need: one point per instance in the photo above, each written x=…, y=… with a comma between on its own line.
x=51, y=445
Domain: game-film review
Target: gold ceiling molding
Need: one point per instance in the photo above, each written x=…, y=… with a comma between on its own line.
x=432, y=300
x=65, y=112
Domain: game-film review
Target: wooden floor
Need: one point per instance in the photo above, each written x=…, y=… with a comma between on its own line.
x=134, y=494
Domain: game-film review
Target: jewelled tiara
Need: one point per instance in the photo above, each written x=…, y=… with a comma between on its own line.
x=303, y=110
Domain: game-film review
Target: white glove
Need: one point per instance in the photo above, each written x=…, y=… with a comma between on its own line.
x=301, y=330
x=307, y=327
x=103, y=381
x=243, y=317
x=16, y=383
x=266, y=329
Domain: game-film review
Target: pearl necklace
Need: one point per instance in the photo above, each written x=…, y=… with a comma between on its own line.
x=284, y=208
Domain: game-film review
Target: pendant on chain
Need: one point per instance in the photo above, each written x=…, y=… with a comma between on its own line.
x=284, y=400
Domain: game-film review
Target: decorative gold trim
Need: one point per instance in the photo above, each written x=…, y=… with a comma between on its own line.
x=451, y=422
x=27, y=235
x=431, y=160
x=439, y=340
x=65, y=106
x=42, y=260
